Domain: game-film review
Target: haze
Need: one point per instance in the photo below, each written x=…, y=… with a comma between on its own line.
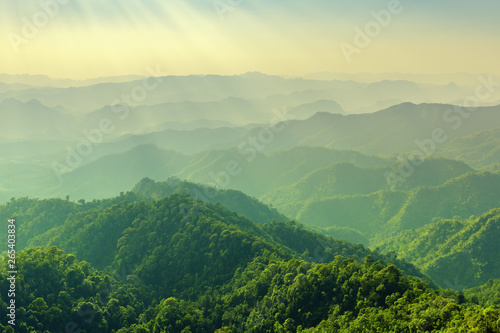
x=87, y=39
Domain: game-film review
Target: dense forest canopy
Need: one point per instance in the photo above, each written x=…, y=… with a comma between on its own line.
x=178, y=264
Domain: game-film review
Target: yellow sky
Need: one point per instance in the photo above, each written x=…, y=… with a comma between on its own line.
x=87, y=41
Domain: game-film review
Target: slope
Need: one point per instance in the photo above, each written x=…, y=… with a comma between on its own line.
x=233, y=200
x=455, y=253
x=345, y=195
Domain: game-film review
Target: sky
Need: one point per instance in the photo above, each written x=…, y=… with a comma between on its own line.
x=82, y=39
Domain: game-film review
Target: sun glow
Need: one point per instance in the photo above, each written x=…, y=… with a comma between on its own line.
x=83, y=39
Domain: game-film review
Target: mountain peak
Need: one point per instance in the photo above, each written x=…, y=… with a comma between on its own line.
x=258, y=75
x=10, y=102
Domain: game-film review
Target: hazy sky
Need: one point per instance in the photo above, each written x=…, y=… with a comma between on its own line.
x=92, y=38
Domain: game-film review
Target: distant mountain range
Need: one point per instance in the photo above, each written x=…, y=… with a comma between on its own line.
x=353, y=96
x=31, y=120
x=426, y=129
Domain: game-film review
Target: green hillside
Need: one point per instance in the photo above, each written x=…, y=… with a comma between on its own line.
x=181, y=265
x=384, y=213
x=106, y=224
x=481, y=150
x=454, y=253
x=470, y=194
x=487, y=294
x=315, y=197
x=336, y=180
x=367, y=213
x=252, y=172
x=235, y=201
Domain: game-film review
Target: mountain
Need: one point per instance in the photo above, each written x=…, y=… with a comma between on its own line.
x=46, y=81
x=60, y=293
x=455, y=253
x=432, y=171
x=235, y=201
x=470, y=194
x=480, y=150
x=367, y=214
x=436, y=79
x=329, y=196
x=4, y=87
x=389, y=212
x=102, y=231
x=102, y=173
x=186, y=266
x=189, y=126
x=337, y=180
x=487, y=294
x=252, y=174
x=406, y=90
x=72, y=95
x=422, y=129
x=167, y=89
x=116, y=173
x=308, y=110
x=402, y=128
x=260, y=173
x=30, y=119
x=140, y=118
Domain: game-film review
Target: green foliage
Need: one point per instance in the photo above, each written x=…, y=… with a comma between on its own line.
x=191, y=266
x=470, y=194
x=454, y=253
x=235, y=201
x=481, y=150
x=366, y=213
x=386, y=213
x=54, y=291
x=487, y=294
x=35, y=217
x=349, y=234
x=339, y=179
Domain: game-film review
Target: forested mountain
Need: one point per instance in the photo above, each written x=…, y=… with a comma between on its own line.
x=119, y=172
x=60, y=293
x=61, y=222
x=193, y=267
x=411, y=173
x=308, y=110
x=453, y=252
x=470, y=194
x=235, y=201
x=254, y=173
x=480, y=150
x=346, y=179
x=487, y=294
x=337, y=180
x=386, y=212
x=188, y=266
x=204, y=167
x=247, y=204
x=401, y=128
